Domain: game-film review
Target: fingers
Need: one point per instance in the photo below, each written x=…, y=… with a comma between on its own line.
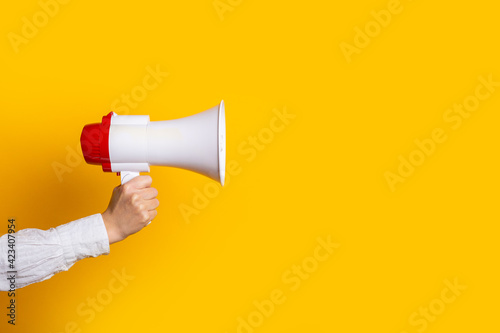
x=140, y=182
x=149, y=193
x=152, y=215
x=149, y=201
x=145, y=197
x=151, y=204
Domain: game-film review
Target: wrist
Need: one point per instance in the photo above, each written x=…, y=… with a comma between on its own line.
x=110, y=228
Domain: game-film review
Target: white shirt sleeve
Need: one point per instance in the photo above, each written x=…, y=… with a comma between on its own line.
x=42, y=253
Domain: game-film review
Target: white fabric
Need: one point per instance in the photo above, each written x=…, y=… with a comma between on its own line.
x=42, y=253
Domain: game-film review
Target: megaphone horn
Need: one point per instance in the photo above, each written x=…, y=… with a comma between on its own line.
x=130, y=144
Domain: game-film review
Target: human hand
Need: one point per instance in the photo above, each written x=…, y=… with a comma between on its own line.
x=132, y=206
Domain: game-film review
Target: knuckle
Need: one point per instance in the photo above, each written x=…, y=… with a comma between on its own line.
x=145, y=216
x=126, y=188
x=134, y=199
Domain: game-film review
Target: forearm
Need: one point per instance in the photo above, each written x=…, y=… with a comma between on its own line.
x=42, y=253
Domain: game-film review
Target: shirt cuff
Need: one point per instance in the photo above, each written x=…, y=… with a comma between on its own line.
x=83, y=238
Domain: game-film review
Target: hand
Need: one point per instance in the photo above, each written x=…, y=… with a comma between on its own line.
x=132, y=206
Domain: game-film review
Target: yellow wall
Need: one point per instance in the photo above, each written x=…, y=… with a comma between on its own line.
x=365, y=87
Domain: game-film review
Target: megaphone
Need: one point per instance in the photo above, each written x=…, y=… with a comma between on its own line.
x=129, y=145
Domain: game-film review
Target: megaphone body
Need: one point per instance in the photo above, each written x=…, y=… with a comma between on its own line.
x=131, y=144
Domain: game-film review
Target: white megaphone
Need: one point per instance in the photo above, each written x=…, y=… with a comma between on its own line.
x=130, y=144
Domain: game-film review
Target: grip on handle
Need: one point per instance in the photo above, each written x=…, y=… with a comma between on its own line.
x=128, y=175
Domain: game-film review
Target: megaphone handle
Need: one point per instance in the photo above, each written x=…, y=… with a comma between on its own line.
x=128, y=175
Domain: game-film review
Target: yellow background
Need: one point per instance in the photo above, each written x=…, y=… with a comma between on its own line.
x=322, y=175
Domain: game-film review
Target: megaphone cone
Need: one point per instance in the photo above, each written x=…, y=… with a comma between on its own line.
x=130, y=144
